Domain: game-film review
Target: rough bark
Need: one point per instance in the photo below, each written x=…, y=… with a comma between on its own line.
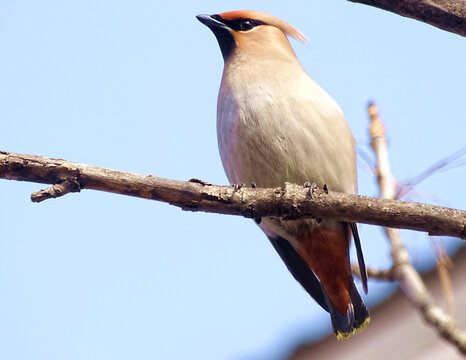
x=449, y=15
x=291, y=202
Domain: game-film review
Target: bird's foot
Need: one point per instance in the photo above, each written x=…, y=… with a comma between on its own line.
x=236, y=187
x=311, y=187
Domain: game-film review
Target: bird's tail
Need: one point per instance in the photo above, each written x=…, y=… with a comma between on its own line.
x=356, y=317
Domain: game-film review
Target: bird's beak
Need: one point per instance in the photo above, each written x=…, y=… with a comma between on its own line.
x=210, y=22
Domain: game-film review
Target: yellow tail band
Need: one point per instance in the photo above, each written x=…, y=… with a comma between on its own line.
x=345, y=335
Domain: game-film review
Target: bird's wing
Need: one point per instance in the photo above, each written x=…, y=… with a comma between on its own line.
x=362, y=265
x=299, y=269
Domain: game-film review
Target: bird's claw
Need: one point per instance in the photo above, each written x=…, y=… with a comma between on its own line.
x=325, y=188
x=311, y=187
x=236, y=187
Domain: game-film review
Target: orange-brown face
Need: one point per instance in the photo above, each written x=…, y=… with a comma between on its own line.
x=226, y=25
x=249, y=30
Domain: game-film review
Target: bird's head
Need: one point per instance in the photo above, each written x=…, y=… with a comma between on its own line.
x=251, y=32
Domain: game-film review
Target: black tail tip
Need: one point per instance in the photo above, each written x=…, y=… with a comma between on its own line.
x=356, y=329
x=354, y=321
x=356, y=318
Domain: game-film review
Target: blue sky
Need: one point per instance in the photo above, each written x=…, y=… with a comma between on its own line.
x=133, y=86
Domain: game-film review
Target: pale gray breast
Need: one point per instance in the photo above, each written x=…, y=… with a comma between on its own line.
x=271, y=130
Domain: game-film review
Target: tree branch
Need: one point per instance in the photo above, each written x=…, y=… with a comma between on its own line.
x=449, y=15
x=375, y=274
x=410, y=281
x=290, y=202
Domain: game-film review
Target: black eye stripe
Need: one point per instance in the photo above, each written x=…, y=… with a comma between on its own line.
x=246, y=25
x=242, y=24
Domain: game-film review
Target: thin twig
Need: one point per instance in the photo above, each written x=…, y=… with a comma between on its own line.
x=410, y=280
x=444, y=264
x=374, y=273
x=446, y=163
x=59, y=189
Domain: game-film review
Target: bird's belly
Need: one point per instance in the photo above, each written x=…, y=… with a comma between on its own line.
x=273, y=141
x=277, y=143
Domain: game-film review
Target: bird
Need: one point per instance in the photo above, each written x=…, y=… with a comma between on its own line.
x=275, y=125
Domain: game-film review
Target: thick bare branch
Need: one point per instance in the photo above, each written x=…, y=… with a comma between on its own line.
x=449, y=15
x=291, y=202
x=402, y=270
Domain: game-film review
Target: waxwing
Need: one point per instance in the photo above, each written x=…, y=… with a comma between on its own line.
x=276, y=125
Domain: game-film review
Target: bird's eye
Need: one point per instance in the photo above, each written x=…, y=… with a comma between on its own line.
x=246, y=25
